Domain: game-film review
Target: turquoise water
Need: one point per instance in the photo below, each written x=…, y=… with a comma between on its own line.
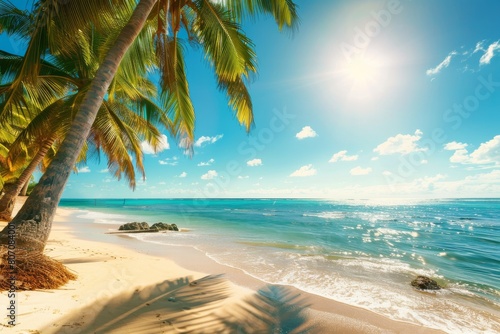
x=364, y=253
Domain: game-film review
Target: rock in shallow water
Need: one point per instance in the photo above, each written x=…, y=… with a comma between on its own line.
x=425, y=283
x=145, y=227
x=163, y=226
x=134, y=226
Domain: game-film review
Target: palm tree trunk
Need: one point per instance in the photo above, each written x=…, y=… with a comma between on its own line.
x=9, y=199
x=25, y=187
x=34, y=221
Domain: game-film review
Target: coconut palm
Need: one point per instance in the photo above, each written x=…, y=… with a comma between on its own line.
x=116, y=131
x=213, y=25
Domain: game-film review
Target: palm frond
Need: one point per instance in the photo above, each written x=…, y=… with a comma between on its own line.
x=179, y=104
x=14, y=21
x=284, y=12
x=54, y=120
x=227, y=48
x=239, y=100
x=143, y=128
x=153, y=112
x=113, y=137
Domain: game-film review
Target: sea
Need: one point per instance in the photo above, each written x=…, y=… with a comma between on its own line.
x=361, y=252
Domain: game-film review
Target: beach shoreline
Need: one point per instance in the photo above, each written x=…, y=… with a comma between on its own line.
x=112, y=268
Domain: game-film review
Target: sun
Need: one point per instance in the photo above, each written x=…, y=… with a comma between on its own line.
x=361, y=71
x=363, y=76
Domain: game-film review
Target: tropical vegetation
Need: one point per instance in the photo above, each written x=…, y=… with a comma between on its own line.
x=172, y=25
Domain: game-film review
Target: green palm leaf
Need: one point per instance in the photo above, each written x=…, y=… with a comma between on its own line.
x=226, y=47
x=178, y=101
x=283, y=11
x=240, y=100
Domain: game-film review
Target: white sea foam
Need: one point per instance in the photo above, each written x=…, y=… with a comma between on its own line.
x=387, y=231
x=103, y=218
x=326, y=215
x=374, y=217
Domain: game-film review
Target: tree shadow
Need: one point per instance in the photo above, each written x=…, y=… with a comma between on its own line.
x=272, y=309
x=148, y=310
x=184, y=306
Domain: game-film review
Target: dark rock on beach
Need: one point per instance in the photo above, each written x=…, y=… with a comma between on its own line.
x=134, y=226
x=425, y=283
x=163, y=226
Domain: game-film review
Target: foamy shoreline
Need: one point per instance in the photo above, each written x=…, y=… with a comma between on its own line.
x=118, y=267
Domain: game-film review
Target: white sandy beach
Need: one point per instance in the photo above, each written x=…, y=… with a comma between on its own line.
x=128, y=286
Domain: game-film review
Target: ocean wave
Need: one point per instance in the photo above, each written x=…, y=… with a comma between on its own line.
x=103, y=218
x=276, y=244
x=326, y=215
x=375, y=217
x=388, y=231
x=387, y=266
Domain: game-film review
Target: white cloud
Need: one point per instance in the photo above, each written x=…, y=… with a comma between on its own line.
x=306, y=170
x=452, y=146
x=443, y=64
x=488, y=178
x=254, y=162
x=402, y=144
x=374, y=159
x=209, y=175
x=183, y=174
x=306, y=132
x=206, y=139
x=479, y=47
x=243, y=177
x=85, y=169
x=169, y=161
x=162, y=146
x=342, y=156
x=428, y=182
x=185, y=143
x=206, y=163
x=360, y=171
x=104, y=170
x=487, y=153
x=460, y=155
x=490, y=52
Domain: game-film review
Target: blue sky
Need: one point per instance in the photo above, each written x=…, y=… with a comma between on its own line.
x=368, y=99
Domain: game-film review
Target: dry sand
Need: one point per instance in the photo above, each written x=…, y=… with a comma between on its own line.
x=128, y=286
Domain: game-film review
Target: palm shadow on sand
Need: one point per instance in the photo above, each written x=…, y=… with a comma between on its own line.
x=185, y=306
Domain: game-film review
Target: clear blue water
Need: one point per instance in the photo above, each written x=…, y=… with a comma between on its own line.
x=364, y=253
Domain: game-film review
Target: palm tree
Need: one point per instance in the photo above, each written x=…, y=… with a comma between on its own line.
x=213, y=25
x=116, y=130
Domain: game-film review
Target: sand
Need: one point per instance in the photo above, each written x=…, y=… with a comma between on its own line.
x=128, y=286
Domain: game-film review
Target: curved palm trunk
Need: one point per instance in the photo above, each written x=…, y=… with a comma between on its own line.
x=9, y=198
x=25, y=188
x=34, y=221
